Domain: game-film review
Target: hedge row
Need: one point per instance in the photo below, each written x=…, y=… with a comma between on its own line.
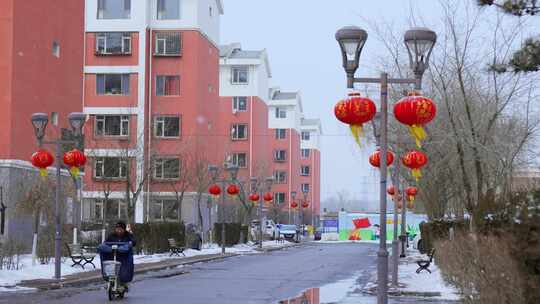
x=233, y=233
x=153, y=237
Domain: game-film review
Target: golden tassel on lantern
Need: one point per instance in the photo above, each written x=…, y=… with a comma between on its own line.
x=419, y=134
x=357, y=132
x=43, y=172
x=74, y=171
x=417, y=174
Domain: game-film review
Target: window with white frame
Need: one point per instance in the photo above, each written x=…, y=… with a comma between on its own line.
x=281, y=133
x=280, y=155
x=112, y=125
x=240, y=75
x=168, y=44
x=305, y=170
x=166, y=168
x=168, y=9
x=167, y=126
x=240, y=104
x=165, y=210
x=280, y=177
x=113, y=43
x=114, y=9
x=279, y=198
x=116, y=209
x=167, y=85
x=281, y=113
x=305, y=188
x=305, y=153
x=92, y=210
x=112, y=84
x=239, y=131
x=239, y=159
x=306, y=135
x=110, y=167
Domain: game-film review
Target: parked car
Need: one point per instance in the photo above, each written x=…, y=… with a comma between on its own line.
x=288, y=232
x=269, y=229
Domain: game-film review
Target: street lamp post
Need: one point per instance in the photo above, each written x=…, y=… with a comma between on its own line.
x=305, y=194
x=419, y=43
x=39, y=122
x=214, y=172
x=293, y=197
x=256, y=187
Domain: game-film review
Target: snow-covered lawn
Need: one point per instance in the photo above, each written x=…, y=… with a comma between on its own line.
x=10, y=278
x=424, y=281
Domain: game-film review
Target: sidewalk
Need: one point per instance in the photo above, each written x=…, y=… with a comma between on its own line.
x=39, y=276
x=422, y=285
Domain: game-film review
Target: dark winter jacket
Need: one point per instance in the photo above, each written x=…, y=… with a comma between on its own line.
x=128, y=237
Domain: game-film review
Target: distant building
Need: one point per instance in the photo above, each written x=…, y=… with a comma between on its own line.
x=526, y=179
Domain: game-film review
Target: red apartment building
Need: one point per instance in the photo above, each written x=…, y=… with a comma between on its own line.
x=41, y=60
x=262, y=129
x=151, y=81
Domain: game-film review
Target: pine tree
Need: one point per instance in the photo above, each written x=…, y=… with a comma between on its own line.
x=527, y=59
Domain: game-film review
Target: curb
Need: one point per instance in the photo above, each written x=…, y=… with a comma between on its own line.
x=49, y=284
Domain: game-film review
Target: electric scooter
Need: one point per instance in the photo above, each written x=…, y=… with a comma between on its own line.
x=117, y=271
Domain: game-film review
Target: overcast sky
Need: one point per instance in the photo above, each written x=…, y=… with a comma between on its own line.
x=299, y=37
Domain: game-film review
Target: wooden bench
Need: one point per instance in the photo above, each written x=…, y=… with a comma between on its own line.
x=424, y=264
x=174, y=249
x=81, y=255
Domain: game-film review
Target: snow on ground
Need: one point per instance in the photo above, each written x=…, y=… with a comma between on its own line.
x=424, y=281
x=10, y=278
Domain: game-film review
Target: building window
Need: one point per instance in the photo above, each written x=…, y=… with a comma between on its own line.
x=305, y=188
x=165, y=210
x=168, y=9
x=240, y=75
x=166, y=168
x=280, y=177
x=92, y=210
x=305, y=135
x=113, y=43
x=305, y=153
x=168, y=44
x=239, y=160
x=280, y=155
x=240, y=104
x=112, y=125
x=167, y=85
x=56, y=49
x=54, y=118
x=279, y=198
x=281, y=133
x=112, y=84
x=305, y=170
x=114, y=9
x=281, y=113
x=110, y=167
x=239, y=131
x=167, y=126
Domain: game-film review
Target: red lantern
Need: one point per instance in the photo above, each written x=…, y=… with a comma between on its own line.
x=294, y=205
x=375, y=158
x=305, y=204
x=268, y=197
x=415, y=160
x=215, y=190
x=74, y=159
x=233, y=190
x=355, y=111
x=42, y=159
x=415, y=110
x=391, y=190
x=254, y=197
x=411, y=193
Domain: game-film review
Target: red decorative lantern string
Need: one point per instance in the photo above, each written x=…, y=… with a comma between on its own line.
x=305, y=204
x=233, y=190
x=42, y=159
x=268, y=197
x=375, y=158
x=294, y=205
x=214, y=190
x=415, y=160
x=355, y=111
x=254, y=197
x=75, y=159
x=391, y=191
x=411, y=193
x=415, y=111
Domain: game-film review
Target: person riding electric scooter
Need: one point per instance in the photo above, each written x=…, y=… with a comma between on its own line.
x=118, y=247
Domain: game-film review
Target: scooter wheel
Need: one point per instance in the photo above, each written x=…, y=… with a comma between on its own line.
x=121, y=295
x=111, y=294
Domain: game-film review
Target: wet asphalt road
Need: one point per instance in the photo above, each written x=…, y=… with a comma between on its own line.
x=258, y=278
